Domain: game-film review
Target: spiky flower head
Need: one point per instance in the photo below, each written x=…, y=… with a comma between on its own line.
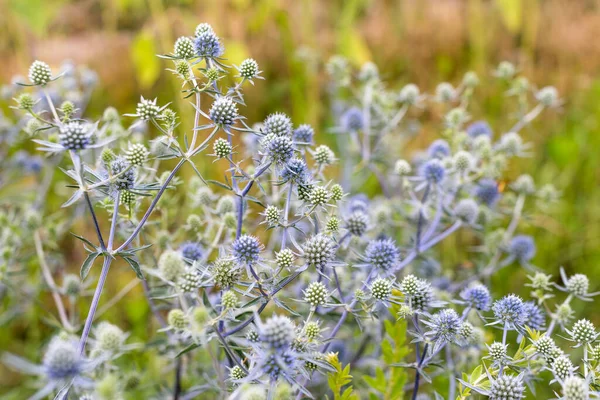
x=207, y=44
x=319, y=196
x=278, y=332
x=323, y=155
x=510, y=310
x=272, y=214
x=547, y=96
x=189, y=280
x=62, y=359
x=225, y=204
x=467, y=210
x=177, y=319
x=487, y=192
x=125, y=172
x=229, y=299
x=246, y=249
x=285, y=258
x=583, y=332
x=438, y=149
x=333, y=224
x=352, y=120
x=463, y=161
x=39, y=73
x=222, y=148
x=410, y=285
x=295, y=171
x=319, y=251
x=507, y=387
x=304, y=134
x=536, y=317
x=445, y=92
x=433, y=171
x=184, y=48
x=544, y=345
x=192, y=251
x=478, y=296
x=337, y=192
x=248, y=68
x=470, y=79
x=316, y=294
x=402, y=168
x=224, y=272
x=312, y=330
x=109, y=337
x=212, y=74
x=147, y=109
x=171, y=265
x=445, y=325
x=497, y=352
x=511, y=143
x=223, y=111
x=252, y=336
x=203, y=28
x=578, y=284
x=236, y=373
x=381, y=289
x=505, y=70
x=522, y=248
x=564, y=313
x=357, y=223
x=278, y=124
x=524, y=184
x=575, y=388
x=479, y=128
x=562, y=367
x=71, y=285
x=409, y=94
x=25, y=101
x=541, y=281
x=74, y=136
x=280, y=149
x=382, y=254
x=137, y=154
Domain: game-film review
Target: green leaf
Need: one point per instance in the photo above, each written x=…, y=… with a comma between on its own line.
x=87, y=265
x=84, y=240
x=143, y=53
x=135, y=266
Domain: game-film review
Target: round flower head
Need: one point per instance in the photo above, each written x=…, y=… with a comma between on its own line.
x=278, y=332
x=189, y=281
x=479, y=128
x=409, y=94
x=352, y=120
x=333, y=224
x=304, y=134
x=445, y=92
x=544, y=345
x=357, y=223
x=522, y=248
x=319, y=196
x=246, y=249
x=524, y=184
x=381, y=289
x=272, y=214
x=507, y=387
x=510, y=310
x=62, y=359
x=203, y=28
x=562, y=367
x=433, y=171
x=583, y=332
x=184, y=48
x=39, y=73
x=470, y=79
x=207, y=44
x=444, y=325
x=26, y=101
x=171, y=265
x=224, y=272
x=229, y=300
x=467, y=210
x=192, y=251
x=402, y=168
x=319, y=251
x=278, y=124
x=511, y=143
x=74, y=136
x=337, y=192
x=109, y=337
x=382, y=254
x=126, y=174
x=147, y=109
x=410, y=285
x=477, y=296
x=127, y=197
x=295, y=170
x=536, y=318
x=505, y=70
x=316, y=294
x=137, y=154
x=280, y=149
x=575, y=388
x=578, y=284
x=285, y=258
x=177, y=319
x=222, y=148
x=487, y=192
x=223, y=111
x=463, y=161
x=547, y=96
x=236, y=373
x=248, y=68
x=497, y=352
x=438, y=149
x=323, y=155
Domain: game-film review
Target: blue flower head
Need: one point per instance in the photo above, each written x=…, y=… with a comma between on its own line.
x=382, y=254
x=304, y=134
x=352, y=120
x=510, y=310
x=207, y=44
x=439, y=149
x=536, y=318
x=433, y=171
x=479, y=128
x=477, y=296
x=62, y=359
x=444, y=325
x=487, y=192
x=246, y=249
x=296, y=171
x=192, y=251
x=522, y=247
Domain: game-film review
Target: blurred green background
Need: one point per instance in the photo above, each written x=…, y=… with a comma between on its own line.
x=553, y=42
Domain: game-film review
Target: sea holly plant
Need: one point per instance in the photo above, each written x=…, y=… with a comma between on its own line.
x=272, y=278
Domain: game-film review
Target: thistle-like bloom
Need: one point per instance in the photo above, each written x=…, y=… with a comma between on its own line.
x=184, y=48
x=295, y=171
x=583, y=332
x=536, y=317
x=126, y=174
x=147, y=109
x=277, y=332
x=357, y=223
x=562, y=367
x=522, y=248
x=479, y=128
x=382, y=255
x=249, y=69
x=278, y=124
x=39, y=73
x=577, y=285
x=280, y=149
x=171, y=265
x=381, y=289
x=433, y=171
x=409, y=94
x=487, y=192
x=223, y=111
x=438, y=149
x=316, y=294
x=304, y=134
x=192, y=251
x=444, y=326
x=207, y=44
x=510, y=312
x=478, y=296
x=352, y=120
x=575, y=388
x=246, y=249
x=74, y=136
x=467, y=210
x=319, y=251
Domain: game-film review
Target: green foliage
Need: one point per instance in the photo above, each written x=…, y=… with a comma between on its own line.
x=389, y=382
x=340, y=378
